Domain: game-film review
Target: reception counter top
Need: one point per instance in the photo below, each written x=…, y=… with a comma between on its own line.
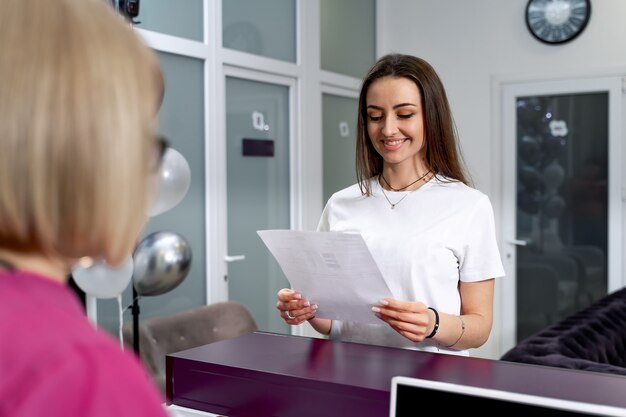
x=265, y=374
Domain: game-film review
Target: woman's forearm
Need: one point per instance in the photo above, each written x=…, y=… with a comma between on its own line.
x=462, y=332
x=321, y=325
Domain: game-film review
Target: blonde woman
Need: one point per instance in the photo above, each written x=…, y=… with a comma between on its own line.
x=78, y=97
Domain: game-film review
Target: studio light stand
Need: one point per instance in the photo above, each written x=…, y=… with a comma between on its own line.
x=135, y=313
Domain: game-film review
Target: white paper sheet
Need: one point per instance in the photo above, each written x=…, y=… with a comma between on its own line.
x=333, y=270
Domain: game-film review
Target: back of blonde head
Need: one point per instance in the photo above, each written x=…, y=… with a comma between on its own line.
x=78, y=97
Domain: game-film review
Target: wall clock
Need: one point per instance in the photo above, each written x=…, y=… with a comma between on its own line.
x=557, y=21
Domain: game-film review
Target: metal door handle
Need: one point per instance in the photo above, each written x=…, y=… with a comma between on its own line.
x=234, y=258
x=518, y=242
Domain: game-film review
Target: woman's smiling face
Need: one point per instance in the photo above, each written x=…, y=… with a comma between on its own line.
x=395, y=120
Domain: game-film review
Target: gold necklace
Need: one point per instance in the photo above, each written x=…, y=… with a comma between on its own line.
x=406, y=186
x=393, y=205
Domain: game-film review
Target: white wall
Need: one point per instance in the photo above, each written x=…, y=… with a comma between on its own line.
x=471, y=43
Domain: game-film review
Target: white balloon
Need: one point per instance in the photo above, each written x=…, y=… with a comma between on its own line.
x=102, y=280
x=174, y=179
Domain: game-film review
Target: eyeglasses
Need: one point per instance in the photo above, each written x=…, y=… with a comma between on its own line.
x=160, y=146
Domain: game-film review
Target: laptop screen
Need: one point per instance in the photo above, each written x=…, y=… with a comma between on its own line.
x=408, y=396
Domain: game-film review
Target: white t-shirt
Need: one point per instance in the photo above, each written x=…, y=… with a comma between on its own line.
x=435, y=236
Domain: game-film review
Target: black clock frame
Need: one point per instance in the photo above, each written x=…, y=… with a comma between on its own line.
x=574, y=36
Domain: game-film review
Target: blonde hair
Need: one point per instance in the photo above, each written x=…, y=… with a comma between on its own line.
x=78, y=97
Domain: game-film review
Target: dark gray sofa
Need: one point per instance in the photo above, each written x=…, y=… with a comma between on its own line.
x=593, y=339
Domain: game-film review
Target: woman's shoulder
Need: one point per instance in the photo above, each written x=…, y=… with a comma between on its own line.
x=106, y=380
x=73, y=356
x=350, y=192
x=458, y=190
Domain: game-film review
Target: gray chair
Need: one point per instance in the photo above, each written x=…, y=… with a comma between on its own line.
x=160, y=336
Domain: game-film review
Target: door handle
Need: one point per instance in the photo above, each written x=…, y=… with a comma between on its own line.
x=518, y=242
x=234, y=258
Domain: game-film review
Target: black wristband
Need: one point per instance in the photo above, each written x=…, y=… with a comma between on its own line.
x=436, y=327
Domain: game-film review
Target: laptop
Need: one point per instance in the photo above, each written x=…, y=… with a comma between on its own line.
x=408, y=396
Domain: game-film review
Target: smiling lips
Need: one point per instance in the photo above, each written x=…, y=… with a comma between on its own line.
x=393, y=144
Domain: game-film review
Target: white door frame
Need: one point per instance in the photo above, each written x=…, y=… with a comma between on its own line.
x=509, y=91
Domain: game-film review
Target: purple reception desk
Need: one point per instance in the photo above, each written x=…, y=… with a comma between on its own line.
x=264, y=374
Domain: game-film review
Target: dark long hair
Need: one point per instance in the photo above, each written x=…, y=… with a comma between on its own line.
x=443, y=154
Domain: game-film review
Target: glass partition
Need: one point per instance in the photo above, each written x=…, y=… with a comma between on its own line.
x=177, y=18
x=348, y=36
x=266, y=28
x=339, y=130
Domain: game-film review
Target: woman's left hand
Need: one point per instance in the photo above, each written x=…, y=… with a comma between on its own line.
x=412, y=319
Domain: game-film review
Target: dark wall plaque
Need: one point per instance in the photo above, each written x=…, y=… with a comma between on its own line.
x=258, y=147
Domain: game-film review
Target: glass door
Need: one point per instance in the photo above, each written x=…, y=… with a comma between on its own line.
x=563, y=186
x=258, y=193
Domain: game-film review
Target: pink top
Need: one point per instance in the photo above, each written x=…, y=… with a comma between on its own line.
x=53, y=361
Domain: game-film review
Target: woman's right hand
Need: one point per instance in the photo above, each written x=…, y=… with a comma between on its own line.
x=293, y=307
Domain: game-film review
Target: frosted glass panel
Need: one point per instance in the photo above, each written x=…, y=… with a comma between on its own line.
x=182, y=122
x=348, y=39
x=257, y=146
x=339, y=130
x=178, y=18
x=266, y=28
